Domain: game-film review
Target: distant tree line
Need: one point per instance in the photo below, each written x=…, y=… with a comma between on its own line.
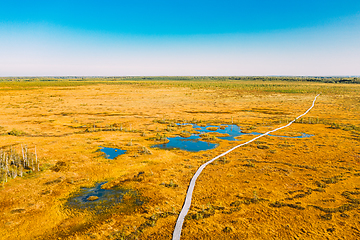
x=320, y=79
x=304, y=79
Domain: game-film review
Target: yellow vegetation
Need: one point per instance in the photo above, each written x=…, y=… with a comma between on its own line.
x=275, y=188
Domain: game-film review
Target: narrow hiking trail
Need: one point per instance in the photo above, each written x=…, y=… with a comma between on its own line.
x=187, y=203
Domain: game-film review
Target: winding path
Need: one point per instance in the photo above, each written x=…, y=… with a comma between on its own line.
x=187, y=203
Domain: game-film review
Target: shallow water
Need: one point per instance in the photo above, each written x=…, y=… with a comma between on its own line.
x=191, y=144
x=303, y=135
x=112, y=153
x=194, y=144
x=106, y=198
x=232, y=130
x=235, y=131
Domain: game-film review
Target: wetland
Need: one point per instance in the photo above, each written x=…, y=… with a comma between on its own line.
x=99, y=199
x=111, y=153
x=102, y=159
x=201, y=140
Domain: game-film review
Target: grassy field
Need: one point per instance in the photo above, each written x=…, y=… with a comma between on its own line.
x=274, y=188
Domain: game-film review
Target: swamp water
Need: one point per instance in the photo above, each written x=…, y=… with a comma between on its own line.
x=195, y=144
x=112, y=153
x=191, y=144
x=99, y=200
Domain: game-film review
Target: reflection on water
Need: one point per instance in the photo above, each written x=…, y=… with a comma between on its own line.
x=104, y=198
x=191, y=144
x=195, y=144
x=112, y=153
x=231, y=130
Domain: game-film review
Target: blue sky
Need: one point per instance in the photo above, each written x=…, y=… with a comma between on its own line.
x=107, y=38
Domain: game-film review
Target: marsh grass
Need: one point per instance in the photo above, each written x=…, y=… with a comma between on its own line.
x=123, y=108
x=251, y=84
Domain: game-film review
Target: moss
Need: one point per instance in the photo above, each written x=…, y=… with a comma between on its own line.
x=16, y=132
x=278, y=204
x=60, y=166
x=341, y=209
x=227, y=230
x=327, y=216
x=263, y=147
x=171, y=184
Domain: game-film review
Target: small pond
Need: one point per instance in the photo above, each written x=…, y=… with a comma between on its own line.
x=195, y=144
x=235, y=131
x=98, y=199
x=191, y=144
x=112, y=153
x=232, y=130
x=303, y=135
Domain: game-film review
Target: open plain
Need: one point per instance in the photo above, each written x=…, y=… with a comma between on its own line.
x=273, y=188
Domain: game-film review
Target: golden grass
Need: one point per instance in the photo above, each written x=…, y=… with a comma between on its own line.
x=292, y=188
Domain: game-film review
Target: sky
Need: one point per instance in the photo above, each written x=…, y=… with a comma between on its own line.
x=180, y=38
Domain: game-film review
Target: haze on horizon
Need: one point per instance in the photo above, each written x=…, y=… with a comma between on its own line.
x=172, y=38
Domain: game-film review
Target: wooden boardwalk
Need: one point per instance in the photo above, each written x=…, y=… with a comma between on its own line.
x=187, y=203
